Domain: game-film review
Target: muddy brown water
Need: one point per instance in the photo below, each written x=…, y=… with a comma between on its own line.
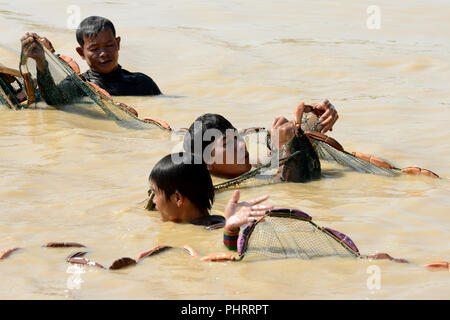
x=69, y=177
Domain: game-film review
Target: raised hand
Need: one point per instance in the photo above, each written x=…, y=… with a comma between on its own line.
x=33, y=50
x=240, y=213
x=328, y=113
x=281, y=131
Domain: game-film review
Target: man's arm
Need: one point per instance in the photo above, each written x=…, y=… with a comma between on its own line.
x=55, y=95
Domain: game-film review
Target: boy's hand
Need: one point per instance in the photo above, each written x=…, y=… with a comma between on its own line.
x=240, y=213
x=33, y=50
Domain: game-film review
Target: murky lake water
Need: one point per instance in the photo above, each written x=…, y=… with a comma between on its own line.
x=68, y=177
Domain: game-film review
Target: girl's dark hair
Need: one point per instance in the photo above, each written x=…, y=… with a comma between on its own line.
x=208, y=121
x=179, y=172
x=92, y=26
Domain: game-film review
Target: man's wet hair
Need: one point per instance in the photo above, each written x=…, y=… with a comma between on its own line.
x=208, y=121
x=92, y=26
x=191, y=180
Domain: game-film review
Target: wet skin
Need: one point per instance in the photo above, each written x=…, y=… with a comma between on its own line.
x=101, y=52
x=175, y=208
x=229, y=156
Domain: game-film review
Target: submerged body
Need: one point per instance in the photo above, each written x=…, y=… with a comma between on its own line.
x=119, y=82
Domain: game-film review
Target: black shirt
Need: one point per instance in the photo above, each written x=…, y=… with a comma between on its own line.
x=120, y=82
x=209, y=221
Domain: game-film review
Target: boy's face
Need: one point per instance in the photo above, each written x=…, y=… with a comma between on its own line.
x=101, y=52
x=230, y=157
x=167, y=208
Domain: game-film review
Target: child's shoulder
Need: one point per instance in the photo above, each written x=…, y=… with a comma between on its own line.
x=210, y=221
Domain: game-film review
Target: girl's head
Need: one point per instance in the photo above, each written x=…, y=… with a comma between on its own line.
x=183, y=189
x=219, y=144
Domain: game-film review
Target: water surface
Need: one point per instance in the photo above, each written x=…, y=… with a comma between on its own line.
x=69, y=177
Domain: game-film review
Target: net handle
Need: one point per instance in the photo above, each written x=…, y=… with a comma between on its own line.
x=343, y=240
x=297, y=213
x=323, y=137
x=10, y=71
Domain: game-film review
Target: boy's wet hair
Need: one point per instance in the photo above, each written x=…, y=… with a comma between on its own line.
x=208, y=121
x=191, y=180
x=92, y=26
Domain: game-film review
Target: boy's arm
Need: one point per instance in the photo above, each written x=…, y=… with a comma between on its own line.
x=230, y=241
x=239, y=213
x=230, y=238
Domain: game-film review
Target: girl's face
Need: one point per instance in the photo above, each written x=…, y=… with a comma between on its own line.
x=168, y=208
x=230, y=156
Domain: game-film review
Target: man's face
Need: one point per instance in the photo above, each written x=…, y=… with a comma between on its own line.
x=167, y=208
x=101, y=52
x=230, y=156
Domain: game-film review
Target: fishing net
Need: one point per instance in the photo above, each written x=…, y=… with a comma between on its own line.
x=5, y=96
x=11, y=89
x=302, y=164
x=329, y=149
x=345, y=159
x=62, y=85
x=288, y=233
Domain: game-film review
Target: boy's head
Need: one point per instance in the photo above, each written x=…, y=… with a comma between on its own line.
x=179, y=184
x=215, y=140
x=99, y=45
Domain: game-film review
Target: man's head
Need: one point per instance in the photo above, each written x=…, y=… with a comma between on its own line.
x=181, y=185
x=99, y=45
x=217, y=142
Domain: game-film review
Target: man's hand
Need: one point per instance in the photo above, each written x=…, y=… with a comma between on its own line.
x=240, y=213
x=328, y=114
x=33, y=50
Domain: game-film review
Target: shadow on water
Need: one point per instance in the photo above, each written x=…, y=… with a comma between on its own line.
x=170, y=96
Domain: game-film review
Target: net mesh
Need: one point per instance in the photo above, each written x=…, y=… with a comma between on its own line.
x=258, y=142
x=61, y=86
x=8, y=98
x=283, y=236
x=348, y=160
x=5, y=103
